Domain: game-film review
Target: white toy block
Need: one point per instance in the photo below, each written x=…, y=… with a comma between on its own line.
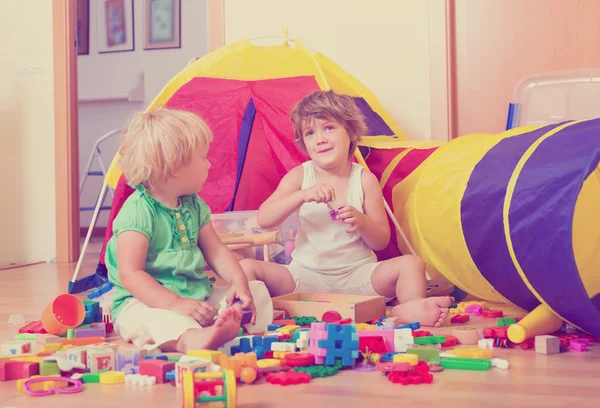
x=112, y=346
x=280, y=346
x=16, y=348
x=101, y=359
x=486, y=344
x=302, y=342
x=46, y=338
x=547, y=345
x=499, y=363
x=138, y=379
x=199, y=365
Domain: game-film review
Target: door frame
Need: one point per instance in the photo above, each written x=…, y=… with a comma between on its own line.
x=66, y=118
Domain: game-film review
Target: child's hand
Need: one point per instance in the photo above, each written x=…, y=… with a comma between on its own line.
x=203, y=312
x=319, y=193
x=350, y=215
x=242, y=292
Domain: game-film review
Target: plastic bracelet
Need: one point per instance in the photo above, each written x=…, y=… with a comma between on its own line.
x=76, y=386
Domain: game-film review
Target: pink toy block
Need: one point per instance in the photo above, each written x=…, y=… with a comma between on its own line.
x=15, y=370
x=477, y=310
x=156, y=368
x=318, y=331
x=388, y=335
x=34, y=327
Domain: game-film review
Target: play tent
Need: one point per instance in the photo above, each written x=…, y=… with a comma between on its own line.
x=510, y=217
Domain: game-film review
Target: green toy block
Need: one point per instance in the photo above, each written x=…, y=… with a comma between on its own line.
x=425, y=353
x=477, y=364
x=70, y=334
x=24, y=336
x=430, y=340
x=92, y=377
x=49, y=368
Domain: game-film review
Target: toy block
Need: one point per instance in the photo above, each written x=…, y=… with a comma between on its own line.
x=284, y=322
x=34, y=327
x=317, y=332
x=84, y=341
x=424, y=353
x=78, y=354
x=112, y=346
x=138, y=379
x=477, y=310
x=278, y=346
x=430, y=340
x=25, y=336
x=125, y=357
x=341, y=344
x=471, y=352
x=412, y=326
x=547, y=345
x=47, y=338
x=388, y=336
x=289, y=329
x=195, y=365
x=49, y=368
x=14, y=370
x=451, y=341
x=412, y=359
x=579, y=344
x=500, y=363
x=302, y=341
x=274, y=326
x=288, y=378
x=100, y=359
x=16, y=347
x=372, y=344
x=210, y=355
x=364, y=326
x=156, y=368
x=51, y=347
x=486, y=344
x=492, y=314
x=91, y=332
x=459, y=319
x=240, y=361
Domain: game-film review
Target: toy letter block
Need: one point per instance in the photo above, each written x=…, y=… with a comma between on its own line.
x=193, y=365
x=78, y=354
x=101, y=359
x=17, y=347
x=47, y=338
x=156, y=368
x=547, y=345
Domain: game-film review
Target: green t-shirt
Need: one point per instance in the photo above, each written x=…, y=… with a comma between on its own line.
x=174, y=258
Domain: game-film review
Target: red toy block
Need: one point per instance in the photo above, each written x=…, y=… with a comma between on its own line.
x=299, y=359
x=492, y=314
x=15, y=370
x=411, y=377
x=285, y=322
x=34, y=327
x=421, y=333
x=288, y=378
x=156, y=368
x=451, y=341
x=459, y=319
x=347, y=320
x=528, y=344
x=375, y=344
x=495, y=332
x=285, y=337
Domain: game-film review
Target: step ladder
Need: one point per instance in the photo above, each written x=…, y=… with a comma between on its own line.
x=96, y=154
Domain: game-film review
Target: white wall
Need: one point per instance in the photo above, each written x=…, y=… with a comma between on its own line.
x=384, y=44
x=103, y=75
x=27, y=196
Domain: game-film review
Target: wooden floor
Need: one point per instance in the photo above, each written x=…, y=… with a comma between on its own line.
x=533, y=380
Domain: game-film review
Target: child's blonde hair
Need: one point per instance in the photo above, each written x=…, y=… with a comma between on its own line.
x=329, y=105
x=160, y=141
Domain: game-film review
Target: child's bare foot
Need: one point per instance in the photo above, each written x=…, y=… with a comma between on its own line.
x=225, y=328
x=428, y=312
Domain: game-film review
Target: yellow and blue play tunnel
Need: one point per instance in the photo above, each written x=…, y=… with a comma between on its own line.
x=513, y=217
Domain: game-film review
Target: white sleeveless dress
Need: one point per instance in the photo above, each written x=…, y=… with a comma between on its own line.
x=326, y=257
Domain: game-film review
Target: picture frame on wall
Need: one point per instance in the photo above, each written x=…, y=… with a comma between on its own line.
x=115, y=25
x=83, y=27
x=162, y=20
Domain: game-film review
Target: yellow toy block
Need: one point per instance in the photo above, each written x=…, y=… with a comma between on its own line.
x=268, y=363
x=212, y=355
x=41, y=386
x=470, y=352
x=29, y=358
x=289, y=329
x=51, y=348
x=412, y=359
x=281, y=354
x=364, y=326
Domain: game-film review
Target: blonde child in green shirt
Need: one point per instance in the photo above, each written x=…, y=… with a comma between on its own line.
x=162, y=235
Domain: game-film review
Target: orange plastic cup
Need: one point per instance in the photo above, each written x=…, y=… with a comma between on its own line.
x=64, y=313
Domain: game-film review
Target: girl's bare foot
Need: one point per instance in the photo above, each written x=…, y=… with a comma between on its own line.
x=428, y=312
x=226, y=327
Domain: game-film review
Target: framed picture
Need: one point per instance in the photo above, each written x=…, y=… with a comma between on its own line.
x=163, y=24
x=83, y=27
x=115, y=25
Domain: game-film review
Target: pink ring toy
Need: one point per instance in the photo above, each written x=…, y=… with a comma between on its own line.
x=76, y=386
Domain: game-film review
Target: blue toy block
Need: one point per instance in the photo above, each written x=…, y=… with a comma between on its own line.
x=388, y=357
x=235, y=350
x=341, y=344
x=259, y=351
x=245, y=345
x=267, y=341
x=170, y=375
x=257, y=341
x=413, y=326
x=273, y=327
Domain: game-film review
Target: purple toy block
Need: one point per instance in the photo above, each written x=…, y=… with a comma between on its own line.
x=246, y=313
x=89, y=332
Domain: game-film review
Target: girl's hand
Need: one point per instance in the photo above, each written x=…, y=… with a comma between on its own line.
x=242, y=292
x=203, y=312
x=353, y=217
x=319, y=193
